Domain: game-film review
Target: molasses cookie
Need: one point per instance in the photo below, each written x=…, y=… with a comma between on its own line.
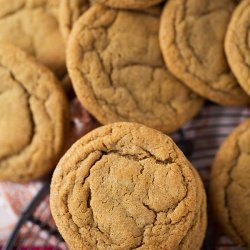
x=230, y=185
x=117, y=70
x=192, y=34
x=33, y=26
x=126, y=186
x=33, y=111
x=238, y=44
x=128, y=4
x=69, y=12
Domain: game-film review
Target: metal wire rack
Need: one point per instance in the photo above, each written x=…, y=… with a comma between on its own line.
x=199, y=140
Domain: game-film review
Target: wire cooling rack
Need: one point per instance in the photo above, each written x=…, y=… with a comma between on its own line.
x=199, y=140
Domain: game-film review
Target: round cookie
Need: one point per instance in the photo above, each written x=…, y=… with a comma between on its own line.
x=33, y=26
x=230, y=185
x=69, y=12
x=126, y=186
x=33, y=111
x=192, y=36
x=237, y=44
x=128, y=4
x=117, y=71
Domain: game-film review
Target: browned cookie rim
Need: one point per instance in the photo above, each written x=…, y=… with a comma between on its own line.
x=237, y=45
x=66, y=20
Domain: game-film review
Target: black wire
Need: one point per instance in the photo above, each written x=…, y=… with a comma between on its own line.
x=26, y=214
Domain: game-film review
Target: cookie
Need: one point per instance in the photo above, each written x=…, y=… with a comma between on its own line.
x=192, y=37
x=69, y=12
x=33, y=111
x=117, y=71
x=128, y=4
x=126, y=186
x=237, y=44
x=230, y=185
x=33, y=26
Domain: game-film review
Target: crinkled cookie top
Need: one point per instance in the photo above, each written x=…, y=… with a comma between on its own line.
x=118, y=73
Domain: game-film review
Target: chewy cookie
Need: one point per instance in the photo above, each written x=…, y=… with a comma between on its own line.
x=33, y=26
x=126, y=186
x=238, y=44
x=128, y=4
x=69, y=12
x=192, y=36
x=33, y=111
x=118, y=73
x=230, y=185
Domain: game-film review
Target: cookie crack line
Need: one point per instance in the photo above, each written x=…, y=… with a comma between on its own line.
x=175, y=223
x=33, y=125
x=98, y=99
x=226, y=196
x=12, y=12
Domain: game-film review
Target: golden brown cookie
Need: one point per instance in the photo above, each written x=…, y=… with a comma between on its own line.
x=33, y=111
x=69, y=12
x=237, y=44
x=33, y=26
x=230, y=185
x=192, y=36
x=118, y=73
x=126, y=186
x=128, y=4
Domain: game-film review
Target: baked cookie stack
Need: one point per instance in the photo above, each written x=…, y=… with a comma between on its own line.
x=127, y=186
x=140, y=67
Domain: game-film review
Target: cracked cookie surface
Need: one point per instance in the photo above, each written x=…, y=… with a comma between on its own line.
x=69, y=12
x=126, y=186
x=118, y=73
x=32, y=25
x=192, y=34
x=128, y=4
x=237, y=44
x=230, y=185
x=33, y=111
